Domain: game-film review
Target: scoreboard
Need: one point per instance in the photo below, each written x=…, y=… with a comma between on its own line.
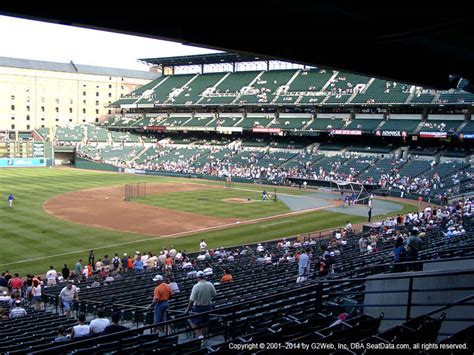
x=17, y=149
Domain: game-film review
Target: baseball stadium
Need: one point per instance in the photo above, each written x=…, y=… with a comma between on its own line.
x=238, y=203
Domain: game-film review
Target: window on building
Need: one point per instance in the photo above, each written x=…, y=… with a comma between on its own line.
x=70, y=109
x=97, y=112
x=27, y=117
x=110, y=86
x=83, y=110
x=97, y=103
x=97, y=93
x=28, y=108
x=71, y=101
x=110, y=112
x=13, y=97
x=42, y=108
x=13, y=107
x=70, y=120
x=110, y=94
x=27, y=126
x=83, y=120
x=84, y=102
x=57, y=109
x=83, y=93
x=13, y=118
x=42, y=118
x=97, y=119
x=13, y=126
x=57, y=119
x=42, y=126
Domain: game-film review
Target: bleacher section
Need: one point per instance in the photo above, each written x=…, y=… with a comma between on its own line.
x=192, y=93
x=442, y=123
x=96, y=134
x=69, y=134
x=364, y=124
x=263, y=89
x=382, y=92
x=326, y=124
x=167, y=87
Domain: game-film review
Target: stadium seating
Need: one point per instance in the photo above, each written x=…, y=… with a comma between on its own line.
x=96, y=134
x=69, y=134
x=367, y=125
x=382, y=92
x=192, y=93
x=165, y=88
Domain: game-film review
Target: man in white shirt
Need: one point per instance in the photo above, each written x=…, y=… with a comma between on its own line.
x=202, y=245
x=67, y=295
x=80, y=330
x=4, y=297
x=201, y=257
x=98, y=325
x=51, y=276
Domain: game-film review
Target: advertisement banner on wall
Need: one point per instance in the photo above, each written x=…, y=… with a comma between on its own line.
x=433, y=134
x=466, y=135
x=346, y=132
x=22, y=162
x=265, y=130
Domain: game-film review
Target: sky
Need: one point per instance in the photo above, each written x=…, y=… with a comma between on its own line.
x=37, y=40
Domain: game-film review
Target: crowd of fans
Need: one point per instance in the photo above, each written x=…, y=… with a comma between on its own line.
x=430, y=184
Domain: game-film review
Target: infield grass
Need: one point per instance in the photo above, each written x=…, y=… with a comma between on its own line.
x=212, y=203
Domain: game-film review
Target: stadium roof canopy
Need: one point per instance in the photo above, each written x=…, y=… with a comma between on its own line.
x=201, y=59
x=425, y=43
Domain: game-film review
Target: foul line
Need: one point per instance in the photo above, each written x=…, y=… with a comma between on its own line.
x=273, y=224
x=179, y=234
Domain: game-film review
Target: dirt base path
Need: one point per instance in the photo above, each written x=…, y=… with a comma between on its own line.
x=105, y=208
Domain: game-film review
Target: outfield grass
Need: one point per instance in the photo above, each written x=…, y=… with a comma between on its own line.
x=31, y=239
x=211, y=203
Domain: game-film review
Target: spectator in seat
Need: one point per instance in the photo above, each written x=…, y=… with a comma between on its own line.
x=5, y=297
x=115, y=327
x=17, y=311
x=80, y=330
x=227, y=278
x=98, y=324
x=61, y=335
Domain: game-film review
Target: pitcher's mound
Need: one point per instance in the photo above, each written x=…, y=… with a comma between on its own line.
x=238, y=200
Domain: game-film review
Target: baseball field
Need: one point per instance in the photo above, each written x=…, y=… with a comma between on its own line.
x=59, y=214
